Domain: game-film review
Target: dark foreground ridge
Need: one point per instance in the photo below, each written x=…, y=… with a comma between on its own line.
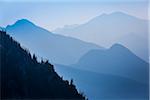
x=23, y=77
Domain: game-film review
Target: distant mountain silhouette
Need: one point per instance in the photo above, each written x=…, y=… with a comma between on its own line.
x=59, y=49
x=108, y=29
x=23, y=77
x=98, y=86
x=137, y=44
x=116, y=60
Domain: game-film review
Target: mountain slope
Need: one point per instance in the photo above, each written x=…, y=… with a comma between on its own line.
x=98, y=86
x=116, y=60
x=107, y=29
x=137, y=44
x=59, y=49
x=22, y=77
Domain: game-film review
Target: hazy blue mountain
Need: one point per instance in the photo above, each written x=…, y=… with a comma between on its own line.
x=107, y=29
x=23, y=77
x=136, y=43
x=116, y=60
x=98, y=86
x=58, y=49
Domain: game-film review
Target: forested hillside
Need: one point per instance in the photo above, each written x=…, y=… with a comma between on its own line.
x=22, y=76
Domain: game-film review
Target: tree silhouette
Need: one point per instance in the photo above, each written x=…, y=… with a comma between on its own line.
x=34, y=58
x=20, y=79
x=71, y=82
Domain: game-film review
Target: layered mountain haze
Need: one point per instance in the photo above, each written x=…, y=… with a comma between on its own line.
x=107, y=29
x=74, y=49
x=99, y=86
x=116, y=60
x=57, y=48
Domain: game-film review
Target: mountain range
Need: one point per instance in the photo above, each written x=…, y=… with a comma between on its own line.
x=108, y=29
x=57, y=48
x=117, y=60
x=116, y=72
x=100, y=86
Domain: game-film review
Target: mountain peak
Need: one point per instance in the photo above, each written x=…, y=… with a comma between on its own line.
x=117, y=46
x=24, y=21
x=120, y=48
x=21, y=22
x=116, y=15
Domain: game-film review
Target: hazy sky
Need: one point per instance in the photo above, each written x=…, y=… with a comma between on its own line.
x=52, y=14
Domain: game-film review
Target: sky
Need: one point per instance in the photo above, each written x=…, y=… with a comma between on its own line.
x=52, y=14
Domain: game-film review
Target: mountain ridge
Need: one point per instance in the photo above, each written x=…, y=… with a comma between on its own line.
x=104, y=86
x=117, y=60
x=23, y=77
x=49, y=45
x=108, y=29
